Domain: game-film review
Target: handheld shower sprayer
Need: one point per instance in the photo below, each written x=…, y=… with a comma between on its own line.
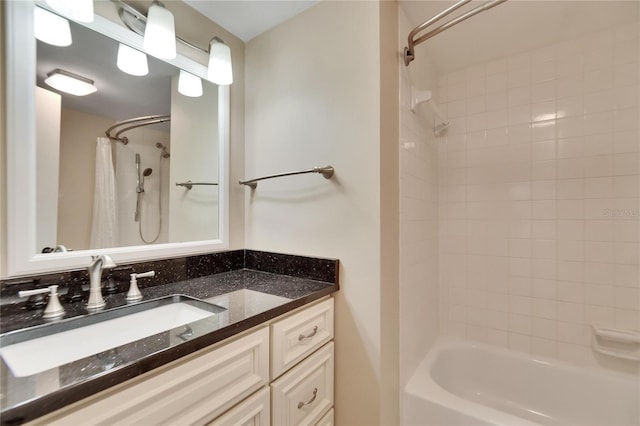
x=139, y=186
x=147, y=172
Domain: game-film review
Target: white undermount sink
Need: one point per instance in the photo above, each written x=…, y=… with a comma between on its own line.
x=57, y=344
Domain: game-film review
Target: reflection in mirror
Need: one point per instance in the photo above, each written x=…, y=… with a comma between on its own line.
x=98, y=192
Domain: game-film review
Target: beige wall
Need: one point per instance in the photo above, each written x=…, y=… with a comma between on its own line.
x=313, y=98
x=389, y=213
x=49, y=117
x=193, y=214
x=78, y=134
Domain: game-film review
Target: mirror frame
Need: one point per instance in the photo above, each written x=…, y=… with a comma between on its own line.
x=22, y=257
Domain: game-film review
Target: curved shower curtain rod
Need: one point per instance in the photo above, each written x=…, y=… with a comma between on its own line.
x=409, y=51
x=134, y=123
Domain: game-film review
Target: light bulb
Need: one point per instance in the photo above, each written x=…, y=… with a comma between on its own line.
x=160, y=33
x=189, y=85
x=51, y=28
x=219, y=71
x=132, y=61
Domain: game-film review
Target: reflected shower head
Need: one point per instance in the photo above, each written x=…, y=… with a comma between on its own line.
x=147, y=172
x=163, y=147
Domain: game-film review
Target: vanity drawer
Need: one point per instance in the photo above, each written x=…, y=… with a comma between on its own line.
x=305, y=393
x=296, y=336
x=327, y=419
x=253, y=411
x=191, y=392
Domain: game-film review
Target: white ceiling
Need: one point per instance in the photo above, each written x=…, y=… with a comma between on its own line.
x=512, y=27
x=249, y=18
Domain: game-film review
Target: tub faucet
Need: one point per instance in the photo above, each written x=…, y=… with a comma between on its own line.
x=95, y=274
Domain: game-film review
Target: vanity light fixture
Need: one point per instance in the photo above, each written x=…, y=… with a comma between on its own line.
x=189, y=85
x=132, y=61
x=69, y=82
x=219, y=71
x=51, y=28
x=220, y=68
x=160, y=32
x=78, y=10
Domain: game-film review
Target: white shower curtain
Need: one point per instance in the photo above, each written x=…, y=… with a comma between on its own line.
x=104, y=228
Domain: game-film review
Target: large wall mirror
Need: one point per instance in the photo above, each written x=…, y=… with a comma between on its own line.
x=114, y=171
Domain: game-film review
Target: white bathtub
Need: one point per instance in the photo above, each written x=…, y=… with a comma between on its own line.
x=468, y=383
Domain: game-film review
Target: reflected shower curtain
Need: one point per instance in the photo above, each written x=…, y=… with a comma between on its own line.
x=104, y=227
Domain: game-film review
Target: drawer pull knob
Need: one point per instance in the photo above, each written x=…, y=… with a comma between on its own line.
x=308, y=336
x=313, y=398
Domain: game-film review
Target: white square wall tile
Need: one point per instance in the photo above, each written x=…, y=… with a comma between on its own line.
x=544, y=328
x=540, y=182
x=520, y=342
x=496, y=100
x=544, y=347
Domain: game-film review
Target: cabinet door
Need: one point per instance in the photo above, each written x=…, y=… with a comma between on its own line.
x=188, y=392
x=298, y=335
x=305, y=393
x=253, y=411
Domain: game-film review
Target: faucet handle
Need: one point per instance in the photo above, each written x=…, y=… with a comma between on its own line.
x=134, y=293
x=144, y=275
x=54, y=309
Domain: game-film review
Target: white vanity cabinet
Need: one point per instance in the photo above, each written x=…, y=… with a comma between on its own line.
x=278, y=373
x=191, y=391
x=302, y=357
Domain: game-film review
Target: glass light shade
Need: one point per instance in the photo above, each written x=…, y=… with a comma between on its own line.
x=132, y=61
x=189, y=85
x=51, y=28
x=160, y=33
x=70, y=83
x=78, y=10
x=219, y=70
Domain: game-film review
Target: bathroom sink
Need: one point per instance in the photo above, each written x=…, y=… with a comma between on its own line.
x=34, y=350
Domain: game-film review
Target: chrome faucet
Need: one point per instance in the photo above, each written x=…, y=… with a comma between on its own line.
x=95, y=279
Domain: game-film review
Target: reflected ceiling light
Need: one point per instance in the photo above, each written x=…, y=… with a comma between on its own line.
x=78, y=10
x=132, y=61
x=189, y=85
x=71, y=83
x=51, y=28
x=160, y=33
x=219, y=71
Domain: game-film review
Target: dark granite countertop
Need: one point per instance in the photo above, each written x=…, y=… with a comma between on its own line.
x=250, y=297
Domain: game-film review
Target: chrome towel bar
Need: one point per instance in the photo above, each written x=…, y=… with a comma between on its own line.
x=326, y=171
x=188, y=184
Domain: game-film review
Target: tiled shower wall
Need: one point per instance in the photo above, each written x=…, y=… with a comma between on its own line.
x=539, y=196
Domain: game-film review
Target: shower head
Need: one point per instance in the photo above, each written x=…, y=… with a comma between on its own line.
x=163, y=147
x=147, y=172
